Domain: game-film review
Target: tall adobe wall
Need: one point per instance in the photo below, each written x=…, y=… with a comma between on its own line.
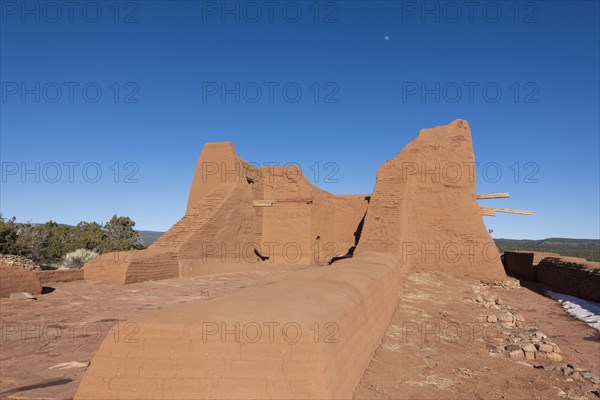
x=306, y=225
x=218, y=231
x=219, y=210
x=424, y=209
x=305, y=335
x=303, y=225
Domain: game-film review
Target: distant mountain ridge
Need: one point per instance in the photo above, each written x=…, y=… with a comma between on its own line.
x=584, y=248
x=150, y=236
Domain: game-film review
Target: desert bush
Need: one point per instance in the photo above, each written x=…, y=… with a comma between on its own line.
x=76, y=259
x=8, y=236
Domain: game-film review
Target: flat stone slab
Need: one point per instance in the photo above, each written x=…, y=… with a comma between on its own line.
x=21, y=296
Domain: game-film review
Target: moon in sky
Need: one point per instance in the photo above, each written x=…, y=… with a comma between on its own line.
x=386, y=37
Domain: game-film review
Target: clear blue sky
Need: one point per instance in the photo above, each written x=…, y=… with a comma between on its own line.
x=371, y=74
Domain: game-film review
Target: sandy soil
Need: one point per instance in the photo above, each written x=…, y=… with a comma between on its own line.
x=439, y=345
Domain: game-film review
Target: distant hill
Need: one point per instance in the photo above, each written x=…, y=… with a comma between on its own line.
x=584, y=248
x=150, y=236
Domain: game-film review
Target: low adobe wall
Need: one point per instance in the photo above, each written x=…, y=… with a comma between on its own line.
x=59, y=275
x=574, y=276
x=520, y=264
x=16, y=279
x=569, y=275
x=315, y=348
x=126, y=267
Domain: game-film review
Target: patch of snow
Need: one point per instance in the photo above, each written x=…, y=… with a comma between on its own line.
x=72, y=364
x=584, y=310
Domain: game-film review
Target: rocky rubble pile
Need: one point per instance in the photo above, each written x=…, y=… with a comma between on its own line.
x=574, y=373
x=510, y=283
x=522, y=342
x=19, y=261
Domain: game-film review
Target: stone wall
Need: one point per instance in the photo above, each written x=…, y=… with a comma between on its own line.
x=520, y=265
x=19, y=261
x=570, y=275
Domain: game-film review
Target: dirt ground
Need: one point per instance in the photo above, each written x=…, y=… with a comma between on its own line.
x=47, y=344
x=438, y=344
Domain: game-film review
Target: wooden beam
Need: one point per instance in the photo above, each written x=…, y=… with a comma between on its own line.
x=492, y=196
x=295, y=200
x=263, y=203
x=486, y=210
x=271, y=202
x=488, y=213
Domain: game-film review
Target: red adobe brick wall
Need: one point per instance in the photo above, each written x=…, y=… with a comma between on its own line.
x=177, y=357
x=126, y=267
x=570, y=275
x=17, y=279
x=424, y=209
x=520, y=264
x=59, y=275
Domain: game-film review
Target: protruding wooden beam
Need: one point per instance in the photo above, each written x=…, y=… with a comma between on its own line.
x=492, y=196
x=271, y=202
x=487, y=213
x=263, y=203
x=494, y=210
